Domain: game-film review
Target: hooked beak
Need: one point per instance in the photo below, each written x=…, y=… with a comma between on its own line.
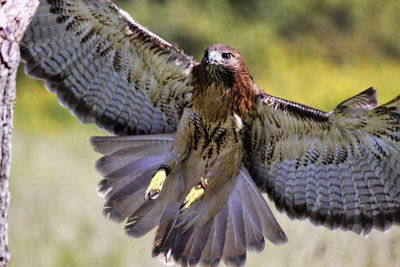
x=213, y=57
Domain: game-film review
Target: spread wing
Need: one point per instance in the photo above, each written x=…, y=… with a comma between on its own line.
x=339, y=169
x=105, y=67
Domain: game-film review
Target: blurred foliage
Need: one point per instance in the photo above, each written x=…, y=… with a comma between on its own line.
x=337, y=30
x=312, y=51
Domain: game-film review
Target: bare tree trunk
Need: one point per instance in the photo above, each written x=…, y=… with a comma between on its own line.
x=15, y=16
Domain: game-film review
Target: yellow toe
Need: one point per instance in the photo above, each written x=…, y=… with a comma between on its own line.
x=195, y=193
x=156, y=184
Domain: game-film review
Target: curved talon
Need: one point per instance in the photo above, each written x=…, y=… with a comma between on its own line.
x=195, y=193
x=156, y=184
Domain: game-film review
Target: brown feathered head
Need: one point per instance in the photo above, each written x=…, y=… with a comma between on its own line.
x=223, y=68
x=223, y=62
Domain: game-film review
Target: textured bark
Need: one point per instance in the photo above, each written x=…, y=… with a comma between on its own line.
x=15, y=16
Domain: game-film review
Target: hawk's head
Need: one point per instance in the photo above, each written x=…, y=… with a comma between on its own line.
x=223, y=60
x=222, y=65
x=222, y=74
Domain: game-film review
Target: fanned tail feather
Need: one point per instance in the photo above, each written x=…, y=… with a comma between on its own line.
x=128, y=166
x=241, y=224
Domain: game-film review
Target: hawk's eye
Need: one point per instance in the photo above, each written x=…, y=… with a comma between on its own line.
x=226, y=55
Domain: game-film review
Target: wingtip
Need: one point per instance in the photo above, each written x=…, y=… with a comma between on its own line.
x=372, y=93
x=366, y=100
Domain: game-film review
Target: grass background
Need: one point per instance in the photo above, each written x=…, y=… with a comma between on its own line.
x=314, y=52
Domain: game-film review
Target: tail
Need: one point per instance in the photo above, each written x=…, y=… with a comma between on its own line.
x=128, y=166
x=240, y=225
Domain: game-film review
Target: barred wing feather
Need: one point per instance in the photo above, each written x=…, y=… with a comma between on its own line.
x=106, y=68
x=339, y=169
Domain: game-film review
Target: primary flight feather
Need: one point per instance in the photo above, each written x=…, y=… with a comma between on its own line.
x=198, y=142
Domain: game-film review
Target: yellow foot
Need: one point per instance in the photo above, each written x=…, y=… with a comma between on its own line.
x=156, y=184
x=195, y=193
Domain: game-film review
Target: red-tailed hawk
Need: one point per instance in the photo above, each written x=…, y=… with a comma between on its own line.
x=198, y=142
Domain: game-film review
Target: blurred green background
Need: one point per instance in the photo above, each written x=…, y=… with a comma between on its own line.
x=314, y=52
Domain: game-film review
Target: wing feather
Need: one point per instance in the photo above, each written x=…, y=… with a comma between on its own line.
x=339, y=169
x=107, y=68
x=350, y=203
x=311, y=191
x=299, y=193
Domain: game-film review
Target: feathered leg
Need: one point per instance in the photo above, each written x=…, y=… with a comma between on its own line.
x=178, y=153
